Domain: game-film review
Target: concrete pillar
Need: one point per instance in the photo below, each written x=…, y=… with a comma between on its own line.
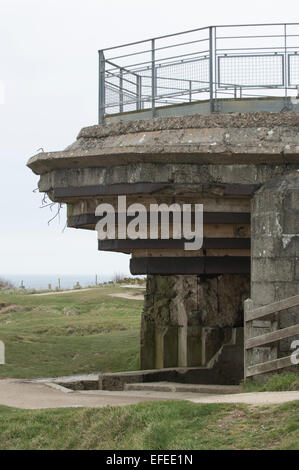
x=187, y=319
x=275, y=253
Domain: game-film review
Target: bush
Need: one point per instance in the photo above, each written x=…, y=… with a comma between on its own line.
x=5, y=284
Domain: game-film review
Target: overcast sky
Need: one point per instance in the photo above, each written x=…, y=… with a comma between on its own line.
x=48, y=64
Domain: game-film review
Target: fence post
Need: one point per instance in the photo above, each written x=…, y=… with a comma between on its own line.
x=211, y=81
x=101, y=86
x=153, y=79
x=248, y=306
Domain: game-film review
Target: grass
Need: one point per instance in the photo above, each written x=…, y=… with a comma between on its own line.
x=85, y=332
x=277, y=383
x=73, y=333
x=153, y=426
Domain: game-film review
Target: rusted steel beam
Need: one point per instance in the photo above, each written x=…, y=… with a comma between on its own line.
x=208, y=243
x=208, y=218
x=191, y=265
x=224, y=189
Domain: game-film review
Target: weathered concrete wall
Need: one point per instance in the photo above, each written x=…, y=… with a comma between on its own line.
x=231, y=139
x=275, y=253
x=176, y=173
x=187, y=319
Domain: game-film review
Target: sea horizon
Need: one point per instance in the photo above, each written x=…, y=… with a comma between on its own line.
x=67, y=281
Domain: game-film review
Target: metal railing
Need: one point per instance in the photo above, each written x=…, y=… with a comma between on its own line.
x=209, y=63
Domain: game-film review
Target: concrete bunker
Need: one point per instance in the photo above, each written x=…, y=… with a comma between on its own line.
x=193, y=313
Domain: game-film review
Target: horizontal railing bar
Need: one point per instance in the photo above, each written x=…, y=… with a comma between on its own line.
x=253, y=24
x=147, y=51
x=146, y=99
x=253, y=36
x=277, y=48
x=263, y=312
x=272, y=337
x=269, y=366
x=171, y=78
x=125, y=90
x=198, y=29
x=116, y=88
x=161, y=65
x=195, y=91
x=259, y=36
x=120, y=67
x=182, y=44
x=220, y=84
x=169, y=58
x=124, y=80
x=182, y=92
x=176, y=79
x=118, y=76
x=158, y=49
x=159, y=62
x=157, y=38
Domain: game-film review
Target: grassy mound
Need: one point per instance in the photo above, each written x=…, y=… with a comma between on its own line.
x=72, y=333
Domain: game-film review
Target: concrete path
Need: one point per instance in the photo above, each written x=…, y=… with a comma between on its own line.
x=28, y=395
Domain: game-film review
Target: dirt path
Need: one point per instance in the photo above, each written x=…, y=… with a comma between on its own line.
x=72, y=291
x=28, y=395
x=128, y=296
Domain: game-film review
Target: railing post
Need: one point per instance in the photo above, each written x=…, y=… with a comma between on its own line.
x=139, y=93
x=101, y=86
x=153, y=79
x=121, y=91
x=285, y=67
x=248, y=306
x=211, y=81
x=190, y=91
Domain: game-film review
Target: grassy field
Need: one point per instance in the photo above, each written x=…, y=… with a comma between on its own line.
x=73, y=333
x=82, y=332
x=153, y=425
x=92, y=331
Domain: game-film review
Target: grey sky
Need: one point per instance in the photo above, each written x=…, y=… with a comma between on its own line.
x=48, y=64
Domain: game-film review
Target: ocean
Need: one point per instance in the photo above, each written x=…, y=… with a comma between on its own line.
x=42, y=281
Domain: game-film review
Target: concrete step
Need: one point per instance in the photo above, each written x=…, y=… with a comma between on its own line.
x=179, y=387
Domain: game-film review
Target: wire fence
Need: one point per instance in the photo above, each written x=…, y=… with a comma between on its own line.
x=212, y=63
